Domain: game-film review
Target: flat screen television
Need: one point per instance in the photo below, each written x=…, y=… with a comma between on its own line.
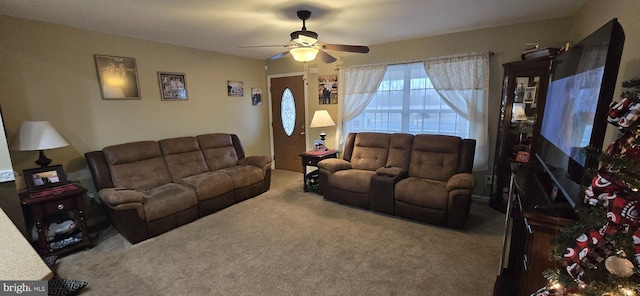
x=581, y=87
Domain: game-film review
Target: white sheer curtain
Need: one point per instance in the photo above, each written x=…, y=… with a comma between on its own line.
x=360, y=83
x=463, y=83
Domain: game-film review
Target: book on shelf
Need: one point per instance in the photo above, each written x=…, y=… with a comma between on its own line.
x=539, y=53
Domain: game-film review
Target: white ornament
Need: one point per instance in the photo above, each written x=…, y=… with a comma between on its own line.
x=619, y=266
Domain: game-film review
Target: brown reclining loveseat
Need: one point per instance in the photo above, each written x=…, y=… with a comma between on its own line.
x=423, y=177
x=150, y=187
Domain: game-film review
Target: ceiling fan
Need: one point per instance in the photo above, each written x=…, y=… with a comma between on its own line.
x=304, y=45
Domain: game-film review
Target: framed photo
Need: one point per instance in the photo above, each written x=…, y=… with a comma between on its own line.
x=522, y=156
x=256, y=96
x=318, y=146
x=43, y=178
x=328, y=89
x=118, y=77
x=173, y=86
x=235, y=88
x=529, y=94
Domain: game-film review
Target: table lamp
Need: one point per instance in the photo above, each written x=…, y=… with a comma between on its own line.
x=38, y=136
x=321, y=118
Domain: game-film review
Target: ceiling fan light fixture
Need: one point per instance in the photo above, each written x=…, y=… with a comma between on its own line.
x=304, y=54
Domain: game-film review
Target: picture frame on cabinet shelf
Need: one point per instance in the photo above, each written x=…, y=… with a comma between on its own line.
x=117, y=77
x=173, y=86
x=529, y=95
x=45, y=177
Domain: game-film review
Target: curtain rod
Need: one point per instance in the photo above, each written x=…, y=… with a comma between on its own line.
x=491, y=53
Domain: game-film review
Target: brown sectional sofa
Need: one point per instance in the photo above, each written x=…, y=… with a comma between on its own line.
x=150, y=187
x=423, y=177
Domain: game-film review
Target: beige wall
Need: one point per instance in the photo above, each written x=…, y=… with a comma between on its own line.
x=50, y=75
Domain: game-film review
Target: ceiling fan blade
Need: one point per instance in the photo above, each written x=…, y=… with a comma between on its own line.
x=325, y=57
x=253, y=46
x=349, y=48
x=275, y=57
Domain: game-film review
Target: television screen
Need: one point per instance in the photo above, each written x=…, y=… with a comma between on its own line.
x=581, y=87
x=570, y=118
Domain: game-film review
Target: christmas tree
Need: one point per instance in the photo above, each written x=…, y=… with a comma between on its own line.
x=600, y=252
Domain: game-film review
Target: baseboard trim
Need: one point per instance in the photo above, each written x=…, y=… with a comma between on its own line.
x=480, y=198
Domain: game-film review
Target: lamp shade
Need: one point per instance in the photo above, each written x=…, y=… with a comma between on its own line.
x=304, y=54
x=321, y=118
x=37, y=135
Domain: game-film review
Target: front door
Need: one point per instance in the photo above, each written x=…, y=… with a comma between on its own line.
x=288, y=126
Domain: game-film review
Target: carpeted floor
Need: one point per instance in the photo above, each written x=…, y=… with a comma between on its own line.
x=287, y=242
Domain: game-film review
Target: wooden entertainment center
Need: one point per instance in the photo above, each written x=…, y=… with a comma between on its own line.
x=532, y=220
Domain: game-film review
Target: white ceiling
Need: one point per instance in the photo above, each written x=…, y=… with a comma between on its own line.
x=223, y=25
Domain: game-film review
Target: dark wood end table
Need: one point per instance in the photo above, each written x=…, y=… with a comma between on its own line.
x=42, y=207
x=311, y=158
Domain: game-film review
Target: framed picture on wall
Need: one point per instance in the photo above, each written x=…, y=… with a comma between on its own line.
x=173, y=86
x=118, y=77
x=43, y=178
x=256, y=96
x=235, y=88
x=328, y=90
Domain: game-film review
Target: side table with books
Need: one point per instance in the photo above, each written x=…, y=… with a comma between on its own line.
x=311, y=158
x=64, y=204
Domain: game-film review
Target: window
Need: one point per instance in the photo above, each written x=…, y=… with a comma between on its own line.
x=288, y=112
x=407, y=102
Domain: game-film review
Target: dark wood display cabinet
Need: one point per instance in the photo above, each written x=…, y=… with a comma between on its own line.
x=524, y=91
x=532, y=221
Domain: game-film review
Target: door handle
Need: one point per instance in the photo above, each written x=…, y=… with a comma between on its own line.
x=302, y=133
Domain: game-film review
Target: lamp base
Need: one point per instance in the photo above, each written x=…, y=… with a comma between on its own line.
x=322, y=135
x=43, y=161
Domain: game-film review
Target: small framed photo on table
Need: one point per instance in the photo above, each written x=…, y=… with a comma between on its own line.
x=43, y=178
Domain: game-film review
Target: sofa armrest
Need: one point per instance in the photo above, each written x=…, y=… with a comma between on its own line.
x=99, y=169
x=256, y=160
x=334, y=164
x=394, y=172
x=461, y=181
x=120, y=199
x=117, y=196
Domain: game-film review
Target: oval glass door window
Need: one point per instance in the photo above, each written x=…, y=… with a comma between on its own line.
x=288, y=112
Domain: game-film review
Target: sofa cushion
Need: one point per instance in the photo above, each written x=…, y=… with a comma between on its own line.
x=167, y=199
x=218, y=150
x=244, y=175
x=209, y=185
x=137, y=165
x=400, y=150
x=183, y=157
x=370, y=151
x=434, y=157
x=435, y=194
x=353, y=180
